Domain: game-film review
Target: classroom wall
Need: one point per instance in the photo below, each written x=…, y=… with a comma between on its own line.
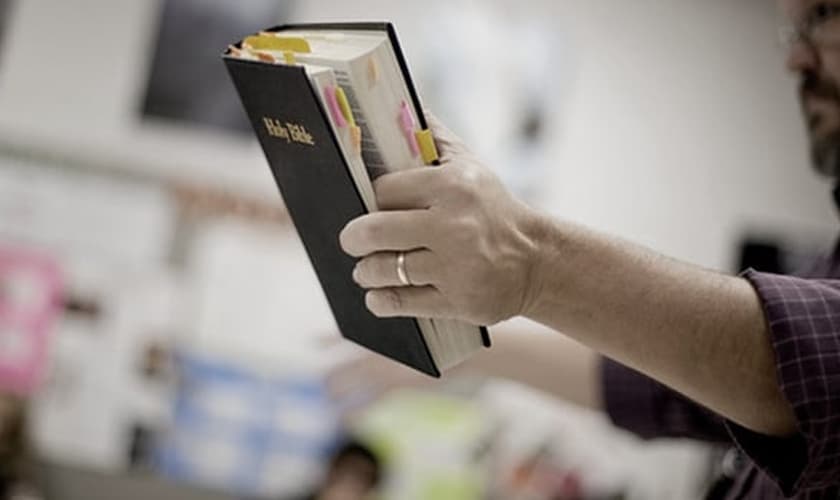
x=680, y=127
x=674, y=126
x=678, y=130
x=684, y=130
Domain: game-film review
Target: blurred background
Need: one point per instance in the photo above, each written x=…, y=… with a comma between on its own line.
x=163, y=335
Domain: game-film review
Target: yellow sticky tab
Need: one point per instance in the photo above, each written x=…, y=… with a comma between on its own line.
x=289, y=56
x=427, y=146
x=344, y=105
x=280, y=43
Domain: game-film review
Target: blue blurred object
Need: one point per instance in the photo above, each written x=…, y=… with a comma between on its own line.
x=246, y=431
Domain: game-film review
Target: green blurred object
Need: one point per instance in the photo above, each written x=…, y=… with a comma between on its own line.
x=432, y=445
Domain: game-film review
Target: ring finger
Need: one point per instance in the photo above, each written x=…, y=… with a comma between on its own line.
x=379, y=270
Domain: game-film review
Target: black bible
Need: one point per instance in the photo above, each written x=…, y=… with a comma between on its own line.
x=333, y=107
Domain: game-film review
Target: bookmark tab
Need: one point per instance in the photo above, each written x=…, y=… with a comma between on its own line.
x=347, y=113
x=279, y=43
x=428, y=150
x=264, y=56
x=332, y=104
x=373, y=72
x=407, y=124
x=356, y=138
x=289, y=57
x=235, y=52
x=344, y=104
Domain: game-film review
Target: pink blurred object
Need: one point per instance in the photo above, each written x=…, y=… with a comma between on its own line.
x=30, y=301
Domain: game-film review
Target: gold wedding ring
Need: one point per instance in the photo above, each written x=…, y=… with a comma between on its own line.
x=401, y=272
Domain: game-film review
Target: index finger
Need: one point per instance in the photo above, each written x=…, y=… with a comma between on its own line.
x=406, y=189
x=387, y=231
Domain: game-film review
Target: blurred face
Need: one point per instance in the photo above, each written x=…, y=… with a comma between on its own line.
x=814, y=55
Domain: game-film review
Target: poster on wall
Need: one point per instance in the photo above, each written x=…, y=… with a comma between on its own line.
x=187, y=82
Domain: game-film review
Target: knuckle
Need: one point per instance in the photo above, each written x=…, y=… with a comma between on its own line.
x=464, y=229
x=472, y=173
x=384, y=267
x=450, y=179
x=463, y=184
x=421, y=270
x=392, y=297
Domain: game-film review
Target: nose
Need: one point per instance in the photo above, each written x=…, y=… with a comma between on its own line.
x=802, y=57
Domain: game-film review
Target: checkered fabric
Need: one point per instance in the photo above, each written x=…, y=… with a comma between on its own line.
x=803, y=314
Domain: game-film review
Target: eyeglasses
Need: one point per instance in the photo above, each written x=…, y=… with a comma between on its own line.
x=820, y=27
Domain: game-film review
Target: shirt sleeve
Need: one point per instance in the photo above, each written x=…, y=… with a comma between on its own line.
x=649, y=409
x=803, y=319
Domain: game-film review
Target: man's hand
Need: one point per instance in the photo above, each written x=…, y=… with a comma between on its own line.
x=475, y=253
x=469, y=245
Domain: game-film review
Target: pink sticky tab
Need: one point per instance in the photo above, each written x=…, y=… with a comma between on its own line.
x=335, y=109
x=407, y=124
x=29, y=304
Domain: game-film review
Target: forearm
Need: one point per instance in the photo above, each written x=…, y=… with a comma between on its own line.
x=699, y=332
x=550, y=363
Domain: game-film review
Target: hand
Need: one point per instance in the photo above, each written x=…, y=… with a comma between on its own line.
x=469, y=245
x=364, y=379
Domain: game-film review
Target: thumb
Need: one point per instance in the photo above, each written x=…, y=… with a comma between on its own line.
x=447, y=142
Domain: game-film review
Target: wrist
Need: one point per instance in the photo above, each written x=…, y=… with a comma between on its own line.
x=538, y=231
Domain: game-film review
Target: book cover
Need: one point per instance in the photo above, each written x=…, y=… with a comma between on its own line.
x=306, y=161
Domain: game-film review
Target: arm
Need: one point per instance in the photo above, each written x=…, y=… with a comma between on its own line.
x=477, y=254
x=694, y=330
x=532, y=356
x=561, y=367
x=553, y=364
x=537, y=357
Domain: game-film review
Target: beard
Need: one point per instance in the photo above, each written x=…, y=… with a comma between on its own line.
x=825, y=155
x=825, y=147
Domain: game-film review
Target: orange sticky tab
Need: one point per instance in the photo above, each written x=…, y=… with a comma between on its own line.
x=356, y=138
x=428, y=151
x=264, y=56
x=234, y=51
x=373, y=72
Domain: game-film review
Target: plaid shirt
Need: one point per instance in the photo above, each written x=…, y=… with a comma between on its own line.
x=803, y=314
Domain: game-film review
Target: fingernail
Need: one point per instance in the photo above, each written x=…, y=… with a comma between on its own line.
x=356, y=274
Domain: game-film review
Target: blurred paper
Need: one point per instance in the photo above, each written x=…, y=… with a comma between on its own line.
x=256, y=298
x=30, y=300
x=249, y=431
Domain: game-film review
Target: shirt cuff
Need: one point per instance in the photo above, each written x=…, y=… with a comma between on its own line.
x=803, y=318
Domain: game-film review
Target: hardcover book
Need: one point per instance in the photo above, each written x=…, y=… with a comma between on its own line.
x=334, y=107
